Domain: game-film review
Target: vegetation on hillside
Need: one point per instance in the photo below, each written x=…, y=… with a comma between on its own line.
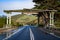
x=2, y=21
x=23, y=19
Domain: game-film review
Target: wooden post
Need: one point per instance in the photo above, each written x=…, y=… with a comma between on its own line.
x=51, y=19
x=8, y=23
x=38, y=15
x=10, y=20
x=38, y=20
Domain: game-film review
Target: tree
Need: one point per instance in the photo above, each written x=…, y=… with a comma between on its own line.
x=47, y=4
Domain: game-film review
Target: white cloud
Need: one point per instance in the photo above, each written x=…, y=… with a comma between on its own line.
x=15, y=5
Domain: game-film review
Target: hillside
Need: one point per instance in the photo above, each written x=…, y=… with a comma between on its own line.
x=23, y=19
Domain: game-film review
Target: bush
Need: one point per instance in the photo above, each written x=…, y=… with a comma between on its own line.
x=19, y=24
x=41, y=25
x=2, y=21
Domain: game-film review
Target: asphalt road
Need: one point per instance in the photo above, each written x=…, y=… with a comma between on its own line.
x=31, y=33
x=2, y=36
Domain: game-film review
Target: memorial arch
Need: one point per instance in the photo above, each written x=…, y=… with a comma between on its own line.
x=46, y=14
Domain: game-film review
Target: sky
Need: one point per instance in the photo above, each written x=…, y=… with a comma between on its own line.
x=14, y=4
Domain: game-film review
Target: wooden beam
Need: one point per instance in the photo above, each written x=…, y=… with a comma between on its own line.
x=29, y=10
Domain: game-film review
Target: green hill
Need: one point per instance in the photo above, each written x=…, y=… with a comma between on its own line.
x=23, y=19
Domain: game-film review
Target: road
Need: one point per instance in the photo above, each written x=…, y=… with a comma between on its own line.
x=31, y=33
x=2, y=36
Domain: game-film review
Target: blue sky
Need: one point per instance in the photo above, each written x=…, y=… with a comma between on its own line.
x=14, y=4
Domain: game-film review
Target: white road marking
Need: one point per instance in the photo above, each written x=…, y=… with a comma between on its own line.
x=14, y=33
x=31, y=34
